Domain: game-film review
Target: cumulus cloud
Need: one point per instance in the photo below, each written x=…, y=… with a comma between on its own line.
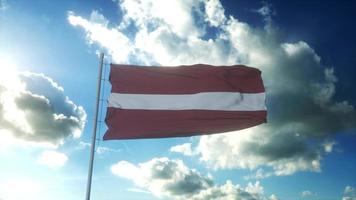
x=52, y=159
x=349, y=193
x=250, y=149
x=117, y=44
x=214, y=13
x=152, y=14
x=164, y=177
x=34, y=108
x=303, y=113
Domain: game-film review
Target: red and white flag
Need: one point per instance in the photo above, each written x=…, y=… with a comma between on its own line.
x=157, y=102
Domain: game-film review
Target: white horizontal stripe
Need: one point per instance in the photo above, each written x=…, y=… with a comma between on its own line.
x=226, y=101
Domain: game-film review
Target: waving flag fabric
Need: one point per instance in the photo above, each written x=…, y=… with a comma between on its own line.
x=157, y=102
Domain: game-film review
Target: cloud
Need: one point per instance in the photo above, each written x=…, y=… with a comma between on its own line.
x=307, y=193
x=98, y=18
x=348, y=198
x=52, y=159
x=34, y=109
x=83, y=145
x=349, y=193
x=303, y=113
x=137, y=190
x=99, y=150
x=329, y=146
x=258, y=174
x=251, y=148
x=349, y=189
x=164, y=177
x=150, y=15
x=266, y=11
x=185, y=149
x=117, y=43
x=214, y=13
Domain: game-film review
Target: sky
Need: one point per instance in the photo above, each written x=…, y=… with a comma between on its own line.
x=48, y=74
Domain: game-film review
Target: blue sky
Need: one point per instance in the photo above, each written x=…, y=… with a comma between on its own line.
x=49, y=66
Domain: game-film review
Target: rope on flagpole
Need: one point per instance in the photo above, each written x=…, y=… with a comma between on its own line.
x=93, y=139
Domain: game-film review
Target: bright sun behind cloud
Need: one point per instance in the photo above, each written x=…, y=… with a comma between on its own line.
x=8, y=70
x=6, y=61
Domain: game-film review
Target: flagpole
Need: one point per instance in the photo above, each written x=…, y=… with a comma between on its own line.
x=93, y=139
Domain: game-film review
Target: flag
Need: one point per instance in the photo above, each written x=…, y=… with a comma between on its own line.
x=158, y=102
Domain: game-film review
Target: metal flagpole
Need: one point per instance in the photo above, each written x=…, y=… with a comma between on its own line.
x=93, y=139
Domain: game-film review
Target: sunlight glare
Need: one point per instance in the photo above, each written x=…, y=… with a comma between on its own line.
x=8, y=73
x=21, y=188
x=11, y=87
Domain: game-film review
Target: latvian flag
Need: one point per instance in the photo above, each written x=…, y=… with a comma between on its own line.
x=157, y=102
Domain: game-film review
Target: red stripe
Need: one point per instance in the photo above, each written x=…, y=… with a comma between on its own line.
x=185, y=79
x=132, y=124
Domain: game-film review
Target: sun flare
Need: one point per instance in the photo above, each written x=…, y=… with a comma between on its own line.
x=7, y=69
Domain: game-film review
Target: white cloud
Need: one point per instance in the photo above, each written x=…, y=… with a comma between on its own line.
x=258, y=174
x=349, y=189
x=160, y=38
x=174, y=15
x=348, y=198
x=116, y=42
x=172, y=178
x=34, y=109
x=83, y=145
x=137, y=190
x=52, y=159
x=307, y=193
x=214, y=13
x=300, y=90
x=185, y=149
x=329, y=146
x=349, y=193
x=99, y=149
x=163, y=177
x=96, y=17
